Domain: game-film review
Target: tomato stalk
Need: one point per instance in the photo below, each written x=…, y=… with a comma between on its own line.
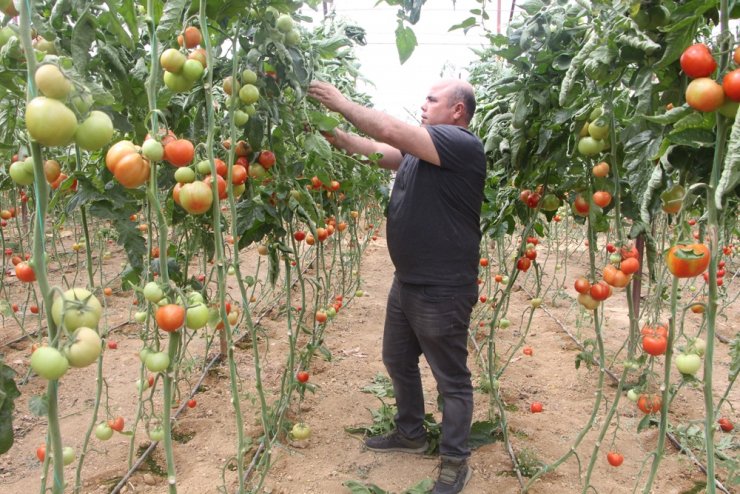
x=39, y=255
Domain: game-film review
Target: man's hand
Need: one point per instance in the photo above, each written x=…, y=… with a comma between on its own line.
x=328, y=95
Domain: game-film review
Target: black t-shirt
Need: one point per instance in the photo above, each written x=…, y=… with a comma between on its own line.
x=434, y=213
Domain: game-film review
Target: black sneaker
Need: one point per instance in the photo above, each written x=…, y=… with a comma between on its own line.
x=394, y=441
x=454, y=474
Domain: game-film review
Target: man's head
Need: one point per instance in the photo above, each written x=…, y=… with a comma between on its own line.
x=449, y=101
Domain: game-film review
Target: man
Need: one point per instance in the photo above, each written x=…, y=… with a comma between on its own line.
x=433, y=234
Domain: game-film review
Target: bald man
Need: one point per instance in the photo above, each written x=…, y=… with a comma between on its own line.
x=433, y=233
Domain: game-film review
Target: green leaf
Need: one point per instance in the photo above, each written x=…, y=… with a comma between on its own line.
x=482, y=433
x=171, y=19
x=359, y=488
x=317, y=144
x=466, y=24
x=671, y=116
x=39, y=405
x=731, y=172
x=405, y=42
x=83, y=36
x=110, y=20
x=323, y=121
x=8, y=393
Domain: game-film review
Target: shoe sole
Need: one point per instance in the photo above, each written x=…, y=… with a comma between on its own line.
x=418, y=451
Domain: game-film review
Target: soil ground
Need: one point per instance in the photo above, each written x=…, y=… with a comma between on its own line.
x=205, y=435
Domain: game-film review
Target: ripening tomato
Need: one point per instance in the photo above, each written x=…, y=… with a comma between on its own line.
x=170, y=317
x=126, y=164
x=195, y=197
x=533, y=200
x=615, y=459
x=616, y=277
x=687, y=261
x=220, y=185
x=580, y=205
x=630, y=265
x=530, y=254
x=704, y=94
x=321, y=317
x=697, y=61
x=601, y=170
x=238, y=174
x=602, y=198
x=179, y=152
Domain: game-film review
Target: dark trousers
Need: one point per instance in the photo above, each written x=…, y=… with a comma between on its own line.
x=433, y=320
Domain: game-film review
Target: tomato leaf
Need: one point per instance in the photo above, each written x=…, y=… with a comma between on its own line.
x=484, y=432
x=688, y=253
x=39, y=405
x=83, y=36
x=359, y=488
x=731, y=172
x=405, y=42
x=8, y=393
x=646, y=422
x=171, y=18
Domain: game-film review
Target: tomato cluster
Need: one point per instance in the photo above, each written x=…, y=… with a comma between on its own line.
x=703, y=93
x=183, y=70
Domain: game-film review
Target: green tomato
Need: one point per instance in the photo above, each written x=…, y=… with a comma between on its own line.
x=177, y=82
x=504, y=323
x=688, y=363
x=699, y=346
x=505, y=280
x=239, y=189
x=140, y=316
x=103, y=431
x=588, y=146
x=535, y=302
x=154, y=151
x=249, y=94
x=49, y=363
x=185, y=175
x=249, y=76
x=192, y=70
x=153, y=292
x=598, y=132
x=231, y=271
x=632, y=395
x=195, y=298
x=52, y=82
x=157, y=361
x=85, y=348
x=240, y=118
x=292, y=38
x=95, y=131
x=615, y=258
x=156, y=434
x=50, y=122
x=203, y=167
x=21, y=173
x=250, y=110
x=300, y=431
x=284, y=23
x=77, y=307
x=143, y=354
x=249, y=280
x=68, y=455
x=142, y=385
x=359, y=293
x=331, y=312
x=196, y=316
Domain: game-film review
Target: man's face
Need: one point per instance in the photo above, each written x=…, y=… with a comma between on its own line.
x=437, y=109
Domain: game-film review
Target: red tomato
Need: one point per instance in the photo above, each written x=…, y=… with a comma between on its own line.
x=34, y=309
x=483, y=299
x=221, y=168
x=524, y=195
x=731, y=85
x=170, y=317
x=41, y=452
x=649, y=403
x=535, y=407
x=581, y=205
x=687, y=261
x=112, y=345
x=24, y=272
x=629, y=251
x=321, y=317
x=266, y=159
x=523, y=264
x=533, y=200
x=725, y=424
x=600, y=291
x=192, y=403
x=302, y=376
x=533, y=240
x=615, y=459
x=299, y=236
x=654, y=339
x=498, y=278
x=116, y=424
x=530, y=254
x=528, y=351
x=610, y=248
x=220, y=184
x=484, y=262
x=582, y=285
x=238, y=174
x=692, y=222
x=697, y=61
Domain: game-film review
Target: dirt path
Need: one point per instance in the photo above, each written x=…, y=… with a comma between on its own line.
x=205, y=435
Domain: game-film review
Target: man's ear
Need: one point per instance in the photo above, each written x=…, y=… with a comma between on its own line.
x=459, y=111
